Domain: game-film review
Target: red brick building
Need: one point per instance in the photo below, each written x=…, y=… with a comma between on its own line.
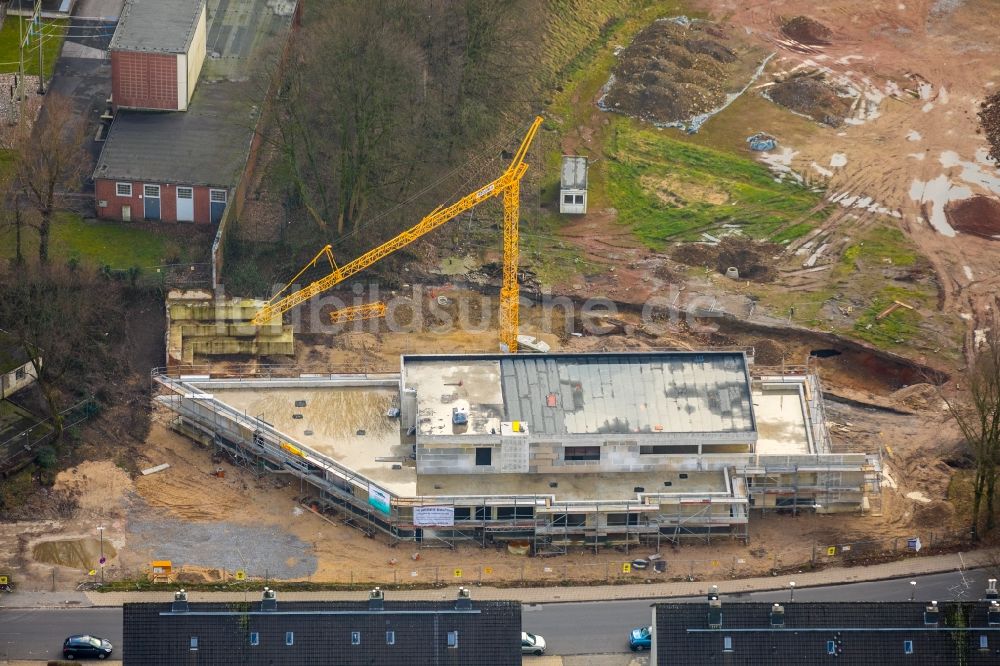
x=157, y=53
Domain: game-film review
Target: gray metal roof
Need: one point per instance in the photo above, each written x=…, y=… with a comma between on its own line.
x=628, y=393
x=574, y=173
x=206, y=145
x=157, y=26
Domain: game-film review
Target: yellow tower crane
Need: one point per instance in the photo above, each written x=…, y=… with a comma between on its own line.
x=508, y=185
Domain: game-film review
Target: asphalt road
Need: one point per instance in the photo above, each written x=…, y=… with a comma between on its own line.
x=568, y=628
x=39, y=633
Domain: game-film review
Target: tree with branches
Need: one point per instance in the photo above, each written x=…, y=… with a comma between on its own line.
x=977, y=414
x=49, y=159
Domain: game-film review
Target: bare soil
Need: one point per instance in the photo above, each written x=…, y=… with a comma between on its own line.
x=979, y=216
x=807, y=31
x=811, y=96
x=671, y=72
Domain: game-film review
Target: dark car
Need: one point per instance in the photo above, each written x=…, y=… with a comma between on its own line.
x=86, y=646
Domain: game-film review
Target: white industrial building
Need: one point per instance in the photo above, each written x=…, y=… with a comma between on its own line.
x=573, y=186
x=562, y=449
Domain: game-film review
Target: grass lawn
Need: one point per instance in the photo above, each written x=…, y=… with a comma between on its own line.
x=669, y=189
x=102, y=243
x=53, y=34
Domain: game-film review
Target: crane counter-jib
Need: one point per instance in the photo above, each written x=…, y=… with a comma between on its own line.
x=506, y=184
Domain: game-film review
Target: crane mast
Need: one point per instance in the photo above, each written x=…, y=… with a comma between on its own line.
x=506, y=185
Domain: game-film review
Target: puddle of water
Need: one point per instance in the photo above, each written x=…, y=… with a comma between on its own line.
x=81, y=554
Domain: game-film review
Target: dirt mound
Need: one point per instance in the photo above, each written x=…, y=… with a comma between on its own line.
x=97, y=485
x=672, y=71
x=989, y=120
x=807, y=31
x=753, y=259
x=811, y=96
x=919, y=397
x=979, y=216
x=768, y=352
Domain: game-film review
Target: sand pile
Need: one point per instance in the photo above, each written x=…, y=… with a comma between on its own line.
x=806, y=31
x=979, y=216
x=811, y=95
x=97, y=485
x=675, y=70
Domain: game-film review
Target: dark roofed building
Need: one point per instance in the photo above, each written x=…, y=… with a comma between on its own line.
x=355, y=632
x=863, y=632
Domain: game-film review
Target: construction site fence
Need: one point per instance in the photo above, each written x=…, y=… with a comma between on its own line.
x=402, y=569
x=21, y=447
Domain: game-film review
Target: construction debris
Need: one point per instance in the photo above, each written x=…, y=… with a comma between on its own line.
x=154, y=470
x=892, y=308
x=811, y=95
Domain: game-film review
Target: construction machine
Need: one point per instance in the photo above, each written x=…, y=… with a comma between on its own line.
x=506, y=185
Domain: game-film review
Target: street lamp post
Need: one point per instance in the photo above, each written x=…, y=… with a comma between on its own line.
x=100, y=528
x=791, y=591
x=913, y=589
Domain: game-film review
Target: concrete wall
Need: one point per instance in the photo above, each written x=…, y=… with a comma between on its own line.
x=193, y=60
x=10, y=383
x=105, y=191
x=144, y=80
x=457, y=455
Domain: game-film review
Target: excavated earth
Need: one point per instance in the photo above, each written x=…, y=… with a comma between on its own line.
x=675, y=70
x=811, y=96
x=979, y=216
x=807, y=31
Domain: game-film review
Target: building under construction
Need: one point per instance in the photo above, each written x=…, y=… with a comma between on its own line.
x=557, y=450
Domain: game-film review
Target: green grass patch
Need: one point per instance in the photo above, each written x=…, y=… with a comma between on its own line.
x=884, y=245
x=112, y=244
x=53, y=34
x=897, y=328
x=670, y=189
x=552, y=259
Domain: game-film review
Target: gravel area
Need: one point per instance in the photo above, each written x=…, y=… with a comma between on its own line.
x=258, y=550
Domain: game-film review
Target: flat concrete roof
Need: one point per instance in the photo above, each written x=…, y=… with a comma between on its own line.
x=605, y=487
x=157, y=26
x=781, y=421
x=574, y=173
x=577, y=394
x=348, y=424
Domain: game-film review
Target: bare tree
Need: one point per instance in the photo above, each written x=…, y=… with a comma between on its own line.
x=72, y=323
x=49, y=159
x=977, y=413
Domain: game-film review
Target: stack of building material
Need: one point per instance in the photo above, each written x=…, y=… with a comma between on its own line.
x=199, y=323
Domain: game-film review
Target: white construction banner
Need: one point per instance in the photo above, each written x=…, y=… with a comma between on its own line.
x=378, y=498
x=434, y=516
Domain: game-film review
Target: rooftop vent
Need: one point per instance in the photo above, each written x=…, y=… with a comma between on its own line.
x=180, y=604
x=269, y=600
x=931, y=615
x=993, y=613
x=376, y=599
x=714, y=608
x=777, y=616
x=991, y=589
x=464, y=601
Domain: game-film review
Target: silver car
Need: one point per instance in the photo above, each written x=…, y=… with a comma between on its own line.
x=532, y=644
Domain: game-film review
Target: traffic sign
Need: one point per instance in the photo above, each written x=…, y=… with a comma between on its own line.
x=241, y=574
x=458, y=573
x=627, y=567
x=102, y=560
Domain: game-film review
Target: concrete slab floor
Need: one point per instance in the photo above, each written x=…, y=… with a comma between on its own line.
x=347, y=424
x=781, y=424
x=443, y=385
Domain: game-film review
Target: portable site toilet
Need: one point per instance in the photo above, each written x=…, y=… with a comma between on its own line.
x=573, y=185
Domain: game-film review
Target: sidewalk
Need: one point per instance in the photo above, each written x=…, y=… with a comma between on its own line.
x=914, y=566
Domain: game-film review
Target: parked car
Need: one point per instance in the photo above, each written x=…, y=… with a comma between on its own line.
x=640, y=638
x=86, y=646
x=532, y=644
